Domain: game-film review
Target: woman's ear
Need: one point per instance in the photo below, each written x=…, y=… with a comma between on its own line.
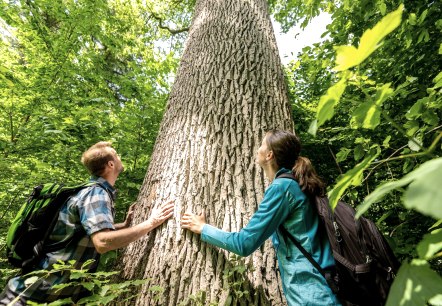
x=270, y=155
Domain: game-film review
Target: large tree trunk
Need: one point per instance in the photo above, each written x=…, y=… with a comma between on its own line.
x=228, y=91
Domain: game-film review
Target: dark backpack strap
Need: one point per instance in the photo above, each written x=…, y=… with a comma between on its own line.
x=286, y=175
x=329, y=274
x=304, y=252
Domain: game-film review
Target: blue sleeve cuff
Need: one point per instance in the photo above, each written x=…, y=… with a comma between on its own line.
x=213, y=235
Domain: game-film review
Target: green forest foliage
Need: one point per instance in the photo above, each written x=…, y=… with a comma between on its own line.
x=366, y=102
x=369, y=99
x=72, y=74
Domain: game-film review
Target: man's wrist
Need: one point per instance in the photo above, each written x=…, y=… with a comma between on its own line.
x=149, y=225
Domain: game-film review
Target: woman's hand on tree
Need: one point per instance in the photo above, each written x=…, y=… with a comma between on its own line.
x=192, y=222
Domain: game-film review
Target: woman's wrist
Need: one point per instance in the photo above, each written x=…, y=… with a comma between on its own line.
x=201, y=228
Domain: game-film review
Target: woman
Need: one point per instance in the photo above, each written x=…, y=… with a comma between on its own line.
x=285, y=203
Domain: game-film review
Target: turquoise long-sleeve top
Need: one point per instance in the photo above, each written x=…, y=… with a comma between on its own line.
x=285, y=203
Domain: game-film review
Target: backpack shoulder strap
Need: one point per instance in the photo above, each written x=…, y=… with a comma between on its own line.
x=304, y=252
x=62, y=244
x=286, y=175
x=111, y=196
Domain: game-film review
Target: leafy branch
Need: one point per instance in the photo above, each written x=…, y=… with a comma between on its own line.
x=428, y=151
x=98, y=284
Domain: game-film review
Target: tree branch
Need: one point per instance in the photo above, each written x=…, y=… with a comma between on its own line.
x=165, y=27
x=334, y=158
x=390, y=158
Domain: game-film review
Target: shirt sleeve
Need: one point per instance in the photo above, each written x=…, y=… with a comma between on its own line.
x=95, y=210
x=272, y=211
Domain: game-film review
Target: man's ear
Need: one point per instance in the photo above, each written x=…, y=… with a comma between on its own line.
x=111, y=163
x=270, y=155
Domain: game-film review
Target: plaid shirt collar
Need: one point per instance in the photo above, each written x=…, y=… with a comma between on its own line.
x=106, y=185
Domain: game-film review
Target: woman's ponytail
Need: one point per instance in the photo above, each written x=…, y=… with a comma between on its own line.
x=310, y=182
x=286, y=147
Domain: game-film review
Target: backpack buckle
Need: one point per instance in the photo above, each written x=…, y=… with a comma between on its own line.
x=337, y=233
x=35, y=193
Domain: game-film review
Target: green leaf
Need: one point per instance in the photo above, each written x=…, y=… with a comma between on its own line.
x=440, y=49
x=87, y=263
x=430, y=244
x=349, y=56
x=423, y=36
x=67, y=301
x=412, y=127
x=422, y=16
x=436, y=225
x=436, y=300
x=415, y=144
x=104, y=290
x=368, y=114
x=382, y=8
x=139, y=282
x=228, y=301
x=430, y=117
x=425, y=193
x=97, y=298
x=76, y=275
x=386, y=142
x=346, y=57
x=438, y=80
x=416, y=110
x=412, y=19
x=313, y=128
x=328, y=101
x=415, y=284
x=63, y=285
x=427, y=200
x=156, y=288
x=358, y=152
x=342, y=154
x=351, y=177
x=88, y=286
x=30, y=280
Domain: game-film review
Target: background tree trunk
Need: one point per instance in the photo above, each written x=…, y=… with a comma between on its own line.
x=228, y=91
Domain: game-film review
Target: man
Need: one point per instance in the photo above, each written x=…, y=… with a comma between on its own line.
x=90, y=212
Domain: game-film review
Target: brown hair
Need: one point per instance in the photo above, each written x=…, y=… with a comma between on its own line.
x=286, y=147
x=97, y=156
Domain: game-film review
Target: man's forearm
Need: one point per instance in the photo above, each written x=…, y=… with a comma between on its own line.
x=108, y=240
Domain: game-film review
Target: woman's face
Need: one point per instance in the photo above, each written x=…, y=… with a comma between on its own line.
x=263, y=153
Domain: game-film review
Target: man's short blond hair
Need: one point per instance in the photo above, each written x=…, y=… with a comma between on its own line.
x=97, y=156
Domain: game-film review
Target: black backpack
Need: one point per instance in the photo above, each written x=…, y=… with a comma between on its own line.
x=365, y=264
x=28, y=234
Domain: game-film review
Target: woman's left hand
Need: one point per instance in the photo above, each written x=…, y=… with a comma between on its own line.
x=192, y=222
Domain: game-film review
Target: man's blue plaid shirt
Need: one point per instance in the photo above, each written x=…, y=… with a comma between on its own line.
x=89, y=211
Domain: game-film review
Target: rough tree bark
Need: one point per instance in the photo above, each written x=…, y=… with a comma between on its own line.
x=228, y=91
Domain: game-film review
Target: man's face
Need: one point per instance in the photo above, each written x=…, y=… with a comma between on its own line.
x=118, y=164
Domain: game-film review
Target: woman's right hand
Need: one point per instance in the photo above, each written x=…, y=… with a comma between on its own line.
x=192, y=222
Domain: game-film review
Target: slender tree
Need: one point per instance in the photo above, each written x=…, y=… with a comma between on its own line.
x=228, y=91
